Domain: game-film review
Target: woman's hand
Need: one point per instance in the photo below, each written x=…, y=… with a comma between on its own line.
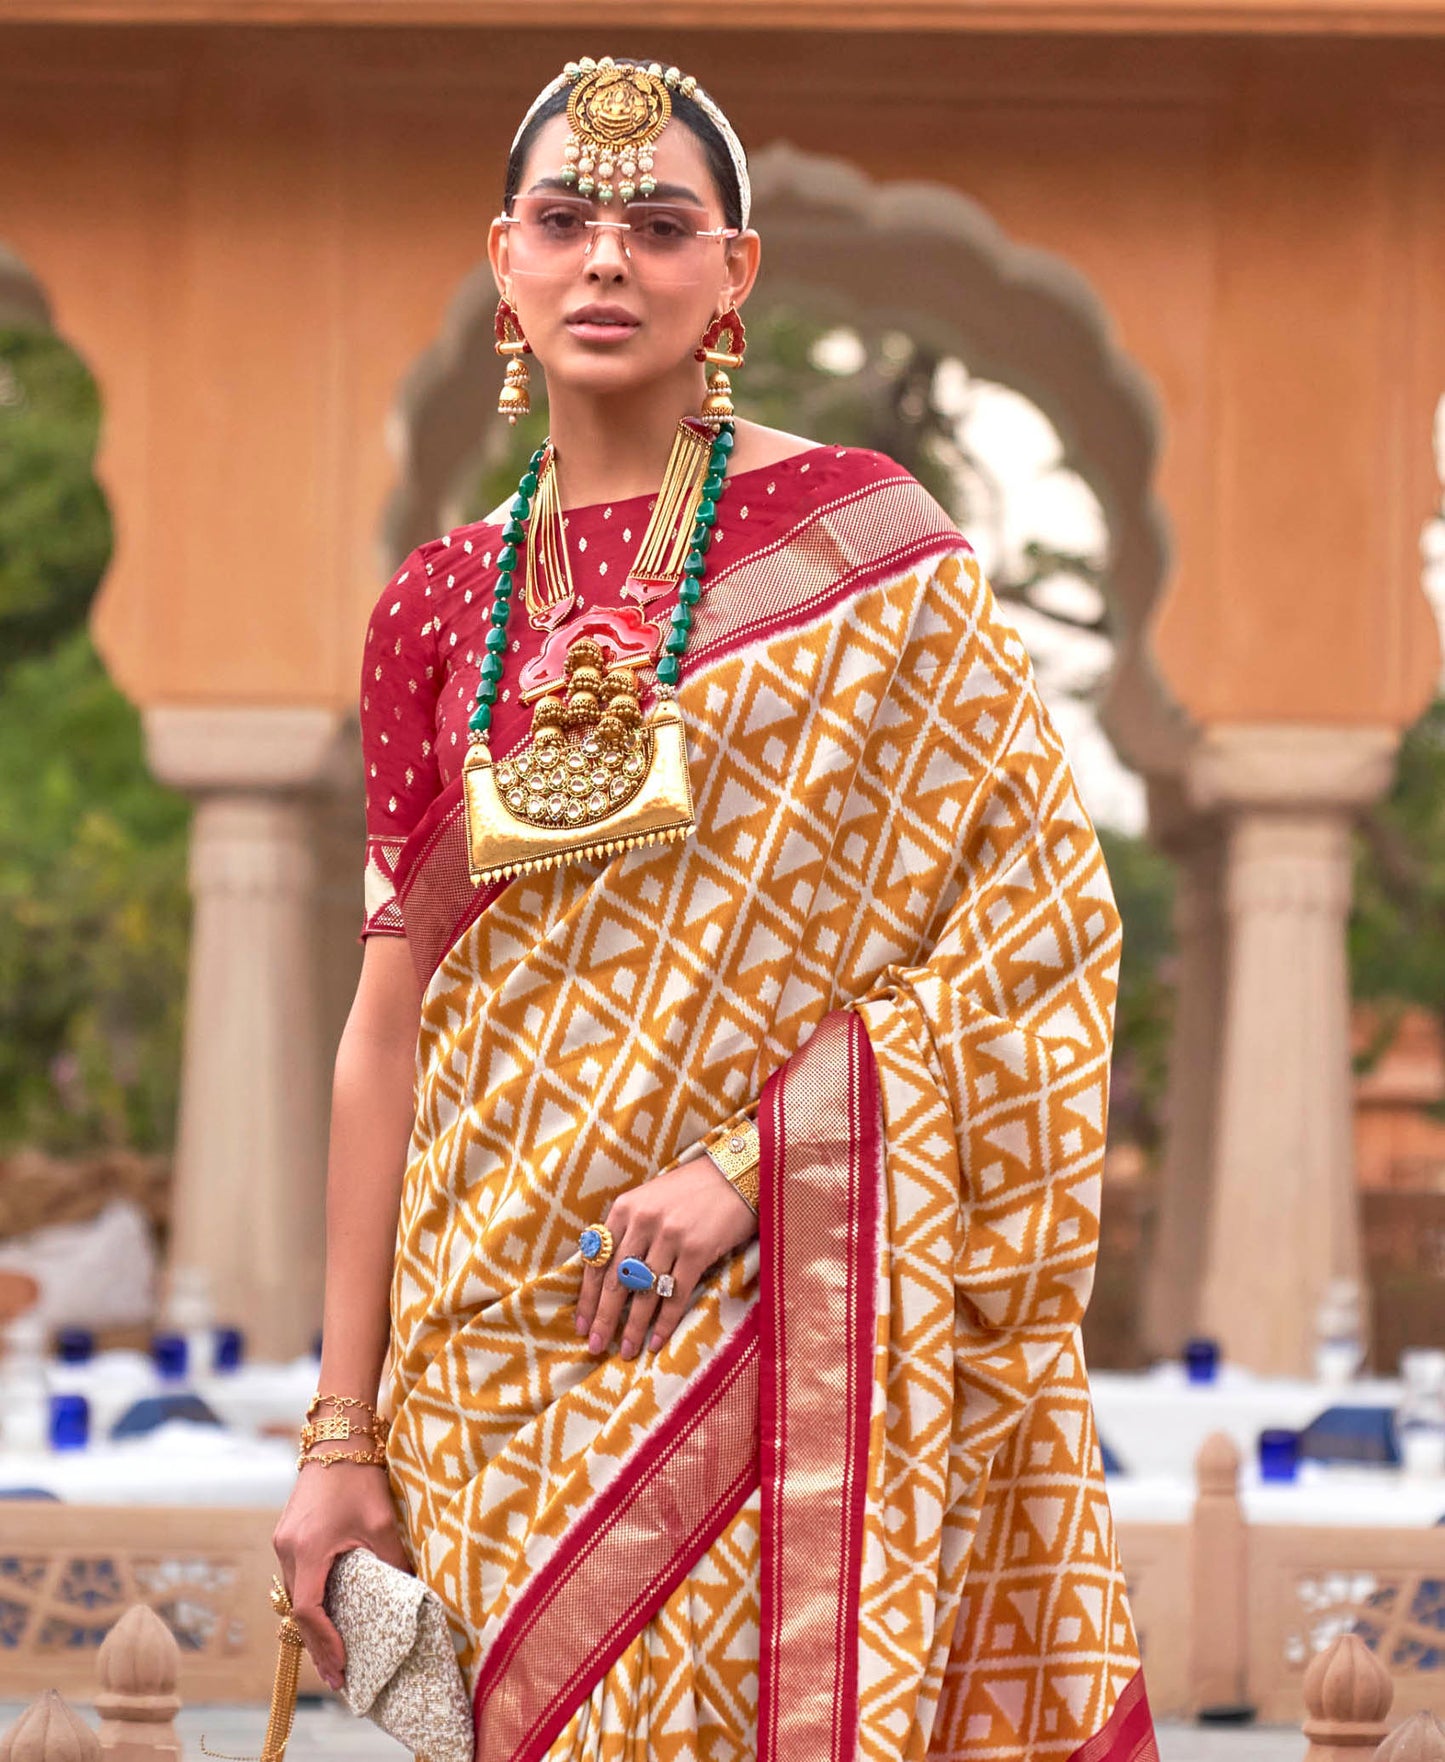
x=679, y=1223
x=330, y=1511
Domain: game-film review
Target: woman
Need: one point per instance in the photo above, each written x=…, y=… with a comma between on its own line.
x=822, y=1063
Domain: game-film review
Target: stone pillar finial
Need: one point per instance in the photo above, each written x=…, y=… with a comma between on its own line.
x=1218, y=1583
x=50, y=1730
x=1420, y=1739
x=1347, y=1695
x=138, y=1664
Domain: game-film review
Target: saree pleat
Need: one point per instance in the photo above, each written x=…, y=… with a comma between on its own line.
x=854, y=1506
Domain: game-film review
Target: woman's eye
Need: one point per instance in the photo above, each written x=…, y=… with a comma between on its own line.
x=662, y=229
x=560, y=220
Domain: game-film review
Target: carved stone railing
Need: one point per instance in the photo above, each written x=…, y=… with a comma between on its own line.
x=1232, y=1616
x=1347, y=1695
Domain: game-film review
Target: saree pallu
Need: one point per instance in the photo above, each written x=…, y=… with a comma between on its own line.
x=854, y=1507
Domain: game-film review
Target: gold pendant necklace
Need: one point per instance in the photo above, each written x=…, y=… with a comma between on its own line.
x=594, y=778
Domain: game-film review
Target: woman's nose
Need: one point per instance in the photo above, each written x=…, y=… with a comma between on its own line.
x=608, y=254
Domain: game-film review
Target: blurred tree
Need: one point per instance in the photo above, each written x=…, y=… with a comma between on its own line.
x=54, y=527
x=1397, y=925
x=93, y=907
x=1143, y=882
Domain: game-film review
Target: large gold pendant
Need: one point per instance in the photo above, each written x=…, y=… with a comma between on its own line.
x=593, y=780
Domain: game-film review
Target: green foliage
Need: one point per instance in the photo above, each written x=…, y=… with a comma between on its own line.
x=1143, y=882
x=93, y=913
x=54, y=528
x=1397, y=927
x=93, y=908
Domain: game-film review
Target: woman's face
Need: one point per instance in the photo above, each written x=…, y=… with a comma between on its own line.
x=605, y=322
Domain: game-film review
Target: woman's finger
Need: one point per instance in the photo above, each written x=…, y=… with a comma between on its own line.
x=634, y=1244
x=686, y=1273
x=639, y=1314
x=328, y=1651
x=591, y=1292
x=667, y=1248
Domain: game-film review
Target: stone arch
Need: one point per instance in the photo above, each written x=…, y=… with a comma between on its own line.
x=1020, y=316
x=1015, y=314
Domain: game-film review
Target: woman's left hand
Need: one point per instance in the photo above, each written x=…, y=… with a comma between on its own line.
x=679, y=1223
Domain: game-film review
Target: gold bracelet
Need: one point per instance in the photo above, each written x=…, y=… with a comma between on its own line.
x=342, y=1401
x=328, y=1457
x=337, y=1428
x=738, y=1155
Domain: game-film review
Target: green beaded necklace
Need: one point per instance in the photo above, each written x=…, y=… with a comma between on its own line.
x=689, y=592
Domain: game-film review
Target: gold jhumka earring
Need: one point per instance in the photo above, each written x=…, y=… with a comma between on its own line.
x=513, y=347
x=723, y=345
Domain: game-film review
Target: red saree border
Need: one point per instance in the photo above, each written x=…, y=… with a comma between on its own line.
x=1128, y=1733
x=821, y=1191
x=644, y=1532
x=435, y=896
x=794, y=1378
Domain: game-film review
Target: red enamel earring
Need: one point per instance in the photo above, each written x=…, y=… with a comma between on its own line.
x=723, y=345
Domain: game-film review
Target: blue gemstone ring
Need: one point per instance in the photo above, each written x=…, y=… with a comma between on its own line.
x=637, y=1275
x=596, y=1245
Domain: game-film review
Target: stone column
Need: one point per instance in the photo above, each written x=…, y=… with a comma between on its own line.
x=1282, y=1211
x=249, y=1193
x=1176, y=1258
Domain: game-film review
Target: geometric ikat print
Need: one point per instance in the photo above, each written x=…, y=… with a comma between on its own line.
x=885, y=818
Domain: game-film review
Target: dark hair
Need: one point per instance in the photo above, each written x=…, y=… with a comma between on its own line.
x=685, y=110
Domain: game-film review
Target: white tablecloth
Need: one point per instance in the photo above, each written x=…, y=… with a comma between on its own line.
x=177, y=1464
x=1356, y=1498
x=247, y=1399
x=1155, y=1421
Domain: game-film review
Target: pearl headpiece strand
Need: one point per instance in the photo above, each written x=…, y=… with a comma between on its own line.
x=616, y=111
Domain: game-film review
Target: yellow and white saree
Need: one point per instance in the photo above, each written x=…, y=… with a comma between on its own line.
x=854, y=1507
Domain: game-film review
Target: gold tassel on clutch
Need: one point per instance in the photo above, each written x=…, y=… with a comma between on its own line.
x=283, y=1688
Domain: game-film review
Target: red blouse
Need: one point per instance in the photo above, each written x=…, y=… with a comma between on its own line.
x=425, y=641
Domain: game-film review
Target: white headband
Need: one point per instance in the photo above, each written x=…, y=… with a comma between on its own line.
x=698, y=96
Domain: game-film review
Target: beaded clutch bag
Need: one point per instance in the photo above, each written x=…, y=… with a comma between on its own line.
x=401, y=1668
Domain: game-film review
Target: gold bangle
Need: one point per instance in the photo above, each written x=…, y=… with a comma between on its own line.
x=747, y=1184
x=738, y=1154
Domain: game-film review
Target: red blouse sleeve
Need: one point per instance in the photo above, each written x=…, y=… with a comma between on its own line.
x=400, y=683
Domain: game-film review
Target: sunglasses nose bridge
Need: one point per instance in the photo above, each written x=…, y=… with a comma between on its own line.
x=618, y=229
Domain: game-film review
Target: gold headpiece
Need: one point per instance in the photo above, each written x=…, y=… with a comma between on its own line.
x=616, y=111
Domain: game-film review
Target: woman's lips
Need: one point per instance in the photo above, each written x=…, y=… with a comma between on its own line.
x=602, y=327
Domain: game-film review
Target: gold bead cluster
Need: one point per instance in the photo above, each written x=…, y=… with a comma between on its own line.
x=603, y=700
